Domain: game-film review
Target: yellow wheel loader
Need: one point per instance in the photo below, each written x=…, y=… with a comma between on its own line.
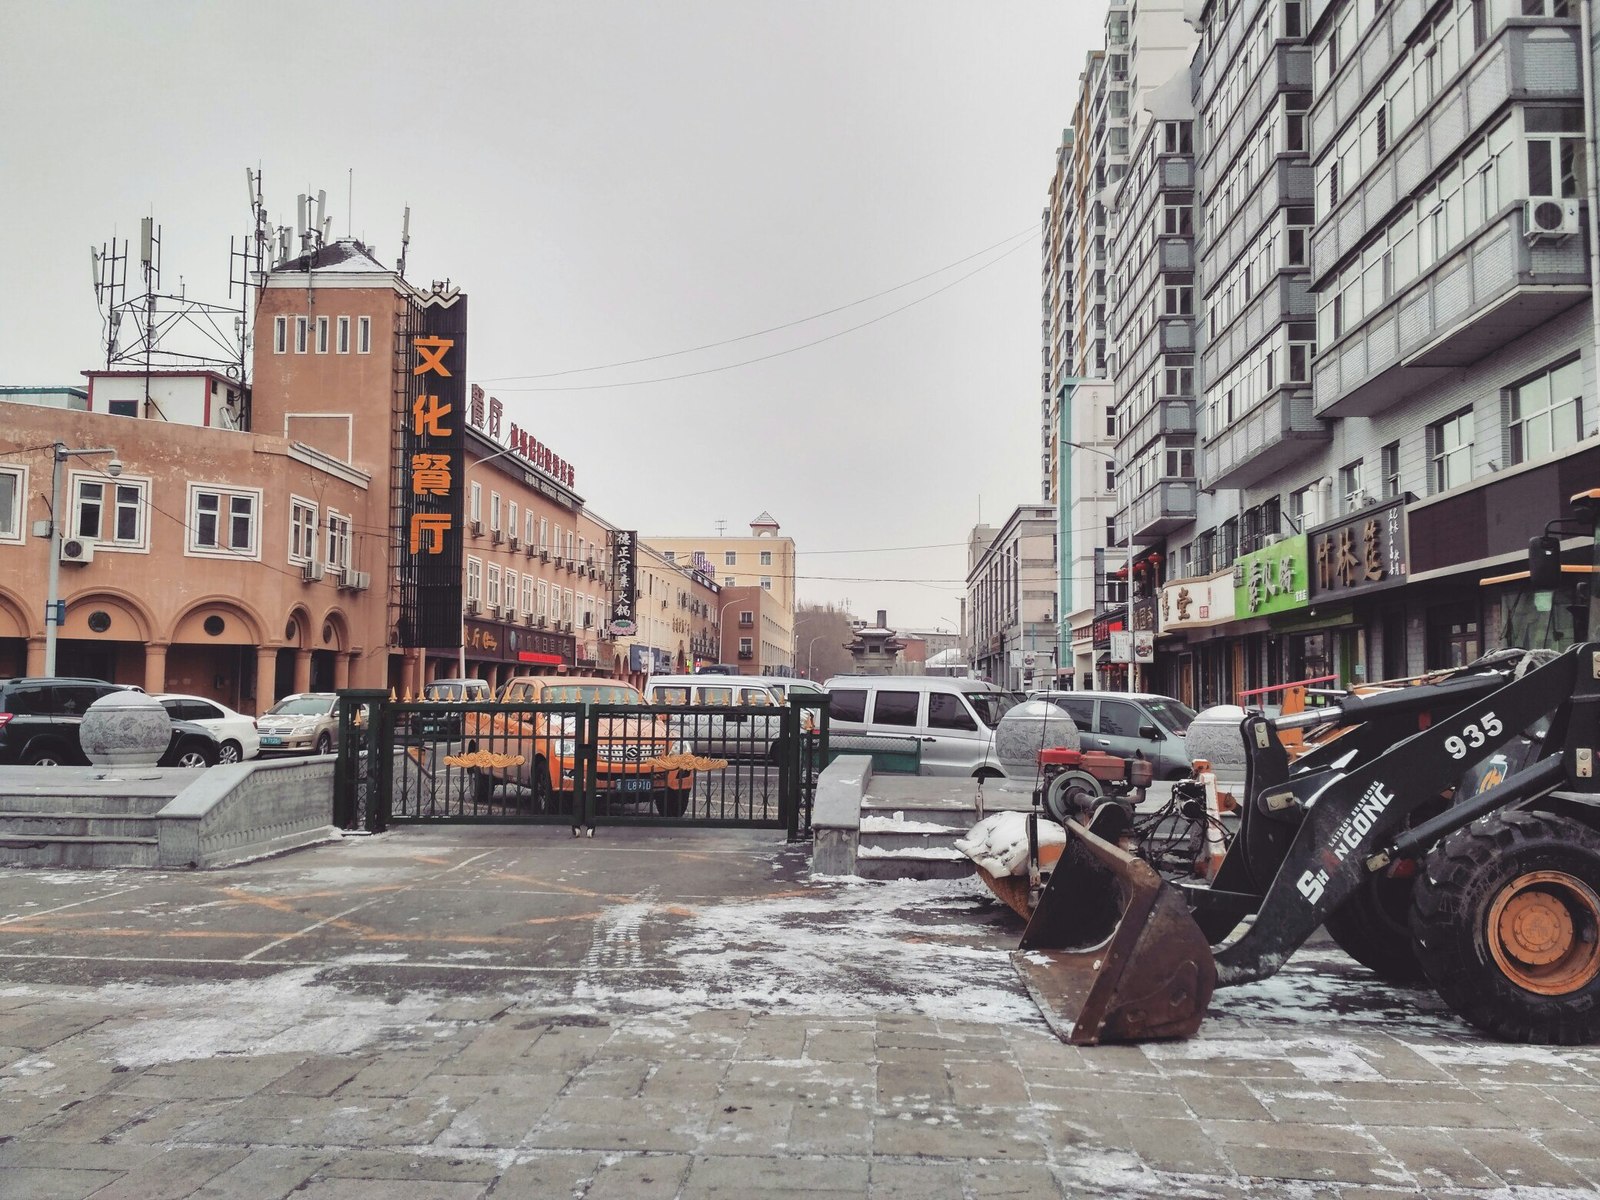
x=1490, y=894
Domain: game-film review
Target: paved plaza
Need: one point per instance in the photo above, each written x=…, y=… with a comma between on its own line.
x=476, y=1011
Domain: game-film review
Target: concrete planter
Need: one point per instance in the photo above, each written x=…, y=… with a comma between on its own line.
x=125, y=729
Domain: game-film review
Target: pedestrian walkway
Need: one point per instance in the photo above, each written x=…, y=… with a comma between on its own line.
x=450, y=1014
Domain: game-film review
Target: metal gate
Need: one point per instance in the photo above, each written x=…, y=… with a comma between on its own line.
x=578, y=764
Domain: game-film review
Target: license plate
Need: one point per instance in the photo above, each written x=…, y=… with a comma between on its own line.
x=634, y=785
x=268, y=740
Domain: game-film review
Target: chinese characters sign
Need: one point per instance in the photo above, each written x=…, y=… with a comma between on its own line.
x=1197, y=603
x=624, y=620
x=430, y=475
x=1364, y=553
x=487, y=415
x=1272, y=579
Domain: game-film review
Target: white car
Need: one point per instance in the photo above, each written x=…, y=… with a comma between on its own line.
x=236, y=734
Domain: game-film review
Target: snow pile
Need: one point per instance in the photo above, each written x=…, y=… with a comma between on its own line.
x=999, y=844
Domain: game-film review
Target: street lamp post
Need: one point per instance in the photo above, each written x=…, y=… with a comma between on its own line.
x=53, y=612
x=1127, y=566
x=810, y=644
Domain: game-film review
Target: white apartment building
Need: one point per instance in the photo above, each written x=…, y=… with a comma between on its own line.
x=1011, y=598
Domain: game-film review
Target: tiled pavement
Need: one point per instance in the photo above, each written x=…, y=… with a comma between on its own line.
x=191, y=1076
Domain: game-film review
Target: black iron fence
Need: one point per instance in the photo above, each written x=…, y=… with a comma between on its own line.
x=578, y=764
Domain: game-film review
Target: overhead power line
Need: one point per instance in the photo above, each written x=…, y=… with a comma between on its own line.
x=593, y=387
x=745, y=337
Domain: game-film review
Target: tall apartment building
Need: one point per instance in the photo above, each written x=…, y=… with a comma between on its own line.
x=1394, y=336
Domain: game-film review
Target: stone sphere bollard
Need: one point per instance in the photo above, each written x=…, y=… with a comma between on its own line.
x=1214, y=735
x=1026, y=729
x=125, y=729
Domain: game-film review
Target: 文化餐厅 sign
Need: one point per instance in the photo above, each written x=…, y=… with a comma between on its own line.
x=1272, y=579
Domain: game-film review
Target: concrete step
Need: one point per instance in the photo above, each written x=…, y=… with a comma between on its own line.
x=79, y=851
x=876, y=862
x=13, y=801
x=34, y=824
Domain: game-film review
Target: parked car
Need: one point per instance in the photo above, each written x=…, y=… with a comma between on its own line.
x=305, y=723
x=237, y=738
x=952, y=720
x=40, y=719
x=547, y=742
x=458, y=691
x=1129, y=723
x=734, y=732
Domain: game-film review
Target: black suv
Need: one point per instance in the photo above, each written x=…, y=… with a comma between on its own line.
x=39, y=721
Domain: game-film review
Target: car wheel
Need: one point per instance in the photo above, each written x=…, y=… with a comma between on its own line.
x=324, y=744
x=230, y=752
x=539, y=785
x=193, y=758
x=43, y=758
x=672, y=802
x=483, y=785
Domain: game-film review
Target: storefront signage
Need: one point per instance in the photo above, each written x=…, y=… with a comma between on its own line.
x=648, y=660
x=486, y=415
x=511, y=643
x=1272, y=579
x=1197, y=603
x=1363, y=553
x=1104, y=627
x=1121, y=646
x=431, y=476
x=624, y=570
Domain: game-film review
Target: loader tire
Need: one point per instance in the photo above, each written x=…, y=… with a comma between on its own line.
x=1374, y=927
x=1506, y=919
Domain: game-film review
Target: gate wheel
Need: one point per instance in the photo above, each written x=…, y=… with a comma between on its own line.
x=1507, y=926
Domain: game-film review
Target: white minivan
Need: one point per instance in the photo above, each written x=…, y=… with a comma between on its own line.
x=726, y=734
x=953, y=720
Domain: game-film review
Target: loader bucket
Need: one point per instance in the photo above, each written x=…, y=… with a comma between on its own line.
x=1111, y=952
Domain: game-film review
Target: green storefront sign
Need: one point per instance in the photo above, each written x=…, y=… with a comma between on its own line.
x=1273, y=579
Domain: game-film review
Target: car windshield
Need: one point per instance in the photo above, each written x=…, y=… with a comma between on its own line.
x=1174, y=714
x=990, y=706
x=455, y=691
x=301, y=706
x=591, y=693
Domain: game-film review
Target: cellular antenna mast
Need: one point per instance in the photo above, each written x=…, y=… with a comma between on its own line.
x=405, y=242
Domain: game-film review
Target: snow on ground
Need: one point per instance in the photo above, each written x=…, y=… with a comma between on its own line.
x=896, y=824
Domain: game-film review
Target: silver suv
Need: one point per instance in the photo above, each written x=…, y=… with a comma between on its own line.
x=1125, y=723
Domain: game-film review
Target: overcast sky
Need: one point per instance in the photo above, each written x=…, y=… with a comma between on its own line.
x=612, y=182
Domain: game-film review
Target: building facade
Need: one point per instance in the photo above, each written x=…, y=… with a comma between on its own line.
x=1011, y=598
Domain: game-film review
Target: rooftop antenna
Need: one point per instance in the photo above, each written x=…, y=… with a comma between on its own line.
x=405, y=241
x=350, y=205
x=720, y=525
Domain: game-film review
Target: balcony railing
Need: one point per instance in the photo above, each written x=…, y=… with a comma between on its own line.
x=1491, y=292
x=1280, y=431
x=1167, y=506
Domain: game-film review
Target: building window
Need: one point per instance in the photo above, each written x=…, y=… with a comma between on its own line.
x=475, y=504
x=571, y=538
x=1351, y=493
x=302, y=327
x=766, y=583
x=729, y=558
x=527, y=594
x=1304, y=509
x=302, y=530
x=747, y=617
x=494, y=511
x=727, y=581
x=280, y=335
x=1546, y=412
x=544, y=533
x=1450, y=451
x=474, y=579
x=222, y=521
x=111, y=514
x=1177, y=220
x=338, y=541
x=322, y=335
x=1111, y=422
x=1111, y=476
x=343, y=342
x=494, y=585
x=527, y=526
x=511, y=517
x=1555, y=163
x=511, y=592
x=543, y=608
x=766, y=558
x=363, y=335
x=1179, y=300
x=1389, y=464
x=746, y=649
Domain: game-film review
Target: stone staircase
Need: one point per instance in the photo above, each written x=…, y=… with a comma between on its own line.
x=909, y=828
x=49, y=818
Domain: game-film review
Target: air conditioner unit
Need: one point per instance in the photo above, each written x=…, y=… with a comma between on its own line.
x=544, y=555
x=1550, y=219
x=529, y=620
x=530, y=549
x=353, y=579
x=312, y=571
x=514, y=543
x=540, y=621
x=494, y=612
x=496, y=536
x=589, y=563
x=571, y=564
x=588, y=620
x=566, y=627
x=77, y=550
x=473, y=608
x=476, y=528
